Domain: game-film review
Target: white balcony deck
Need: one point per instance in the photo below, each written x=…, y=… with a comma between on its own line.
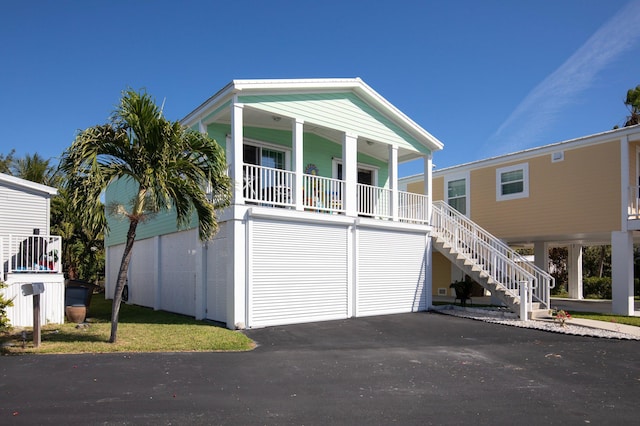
x=271, y=187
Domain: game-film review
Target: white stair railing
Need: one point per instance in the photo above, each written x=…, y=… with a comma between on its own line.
x=493, y=256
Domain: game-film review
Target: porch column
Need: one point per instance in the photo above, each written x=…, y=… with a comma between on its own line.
x=200, y=253
x=236, y=160
x=428, y=180
x=541, y=255
x=624, y=183
x=238, y=232
x=350, y=174
x=574, y=269
x=622, y=273
x=393, y=180
x=298, y=166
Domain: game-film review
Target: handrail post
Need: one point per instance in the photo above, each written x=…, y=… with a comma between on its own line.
x=523, y=301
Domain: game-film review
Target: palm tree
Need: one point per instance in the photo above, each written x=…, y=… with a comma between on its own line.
x=633, y=103
x=35, y=169
x=169, y=166
x=6, y=161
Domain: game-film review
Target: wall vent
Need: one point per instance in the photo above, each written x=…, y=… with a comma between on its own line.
x=557, y=156
x=442, y=291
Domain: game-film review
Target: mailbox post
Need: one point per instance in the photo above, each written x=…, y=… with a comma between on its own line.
x=35, y=289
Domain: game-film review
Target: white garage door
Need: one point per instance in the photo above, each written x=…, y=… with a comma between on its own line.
x=298, y=273
x=391, y=272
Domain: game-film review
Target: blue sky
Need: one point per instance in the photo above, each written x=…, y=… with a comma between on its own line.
x=484, y=77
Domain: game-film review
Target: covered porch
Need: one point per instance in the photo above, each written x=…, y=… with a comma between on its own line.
x=326, y=146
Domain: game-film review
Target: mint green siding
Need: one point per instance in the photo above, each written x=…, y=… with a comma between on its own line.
x=342, y=111
x=122, y=192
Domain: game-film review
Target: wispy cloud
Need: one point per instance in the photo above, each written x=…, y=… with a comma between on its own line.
x=539, y=109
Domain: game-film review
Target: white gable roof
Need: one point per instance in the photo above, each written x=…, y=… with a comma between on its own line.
x=307, y=86
x=26, y=184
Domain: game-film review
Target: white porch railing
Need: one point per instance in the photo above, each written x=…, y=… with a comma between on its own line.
x=32, y=253
x=634, y=202
x=323, y=194
x=374, y=201
x=413, y=207
x=492, y=255
x=267, y=186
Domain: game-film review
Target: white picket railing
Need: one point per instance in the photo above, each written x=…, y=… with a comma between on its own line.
x=323, y=194
x=374, y=201
x=495, y=258
x=33, y=253
x=413, y=207
x=268, y=185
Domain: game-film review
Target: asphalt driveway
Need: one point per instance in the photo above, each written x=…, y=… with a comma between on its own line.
x=422, y=368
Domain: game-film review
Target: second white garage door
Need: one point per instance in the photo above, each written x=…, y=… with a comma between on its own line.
x=391, y=272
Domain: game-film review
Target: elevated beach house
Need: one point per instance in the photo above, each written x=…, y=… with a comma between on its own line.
x=318, y=228
x=572, y=194
x=28, y=253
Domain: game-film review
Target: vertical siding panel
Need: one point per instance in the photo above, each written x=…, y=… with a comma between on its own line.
x=177, y=273
x=217, y=263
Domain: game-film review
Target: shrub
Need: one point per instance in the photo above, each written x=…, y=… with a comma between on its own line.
x=4, y=304
x=597, y=288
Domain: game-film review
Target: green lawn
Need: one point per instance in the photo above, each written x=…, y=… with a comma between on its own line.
x=619, y=319
x=139, y=330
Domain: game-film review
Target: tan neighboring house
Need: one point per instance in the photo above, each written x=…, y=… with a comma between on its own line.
x=575, y=193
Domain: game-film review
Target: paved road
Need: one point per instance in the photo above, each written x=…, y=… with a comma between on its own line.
x=410, y=369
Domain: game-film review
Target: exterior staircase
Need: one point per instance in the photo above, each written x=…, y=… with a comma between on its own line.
x=516, y=282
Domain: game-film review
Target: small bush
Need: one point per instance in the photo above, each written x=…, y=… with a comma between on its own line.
x=4, y=304
x=596, y=288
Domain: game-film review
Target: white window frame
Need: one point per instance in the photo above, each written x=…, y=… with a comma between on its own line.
x=261, y=144
x=525, y=182
x=467, y=189
x=369, y=167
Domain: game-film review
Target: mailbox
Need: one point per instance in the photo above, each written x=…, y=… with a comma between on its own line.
x=32, y=289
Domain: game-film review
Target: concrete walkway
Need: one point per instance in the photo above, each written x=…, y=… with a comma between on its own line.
x=575, y=305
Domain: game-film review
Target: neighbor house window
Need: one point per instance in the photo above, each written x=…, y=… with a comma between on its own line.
x=512, y=182
x=457, y=190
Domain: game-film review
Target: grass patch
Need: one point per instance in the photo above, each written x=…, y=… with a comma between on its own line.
x=139, y=330
x=618, y=319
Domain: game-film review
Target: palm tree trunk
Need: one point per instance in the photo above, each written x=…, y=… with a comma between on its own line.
x=603, y=253
x=122, y=278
